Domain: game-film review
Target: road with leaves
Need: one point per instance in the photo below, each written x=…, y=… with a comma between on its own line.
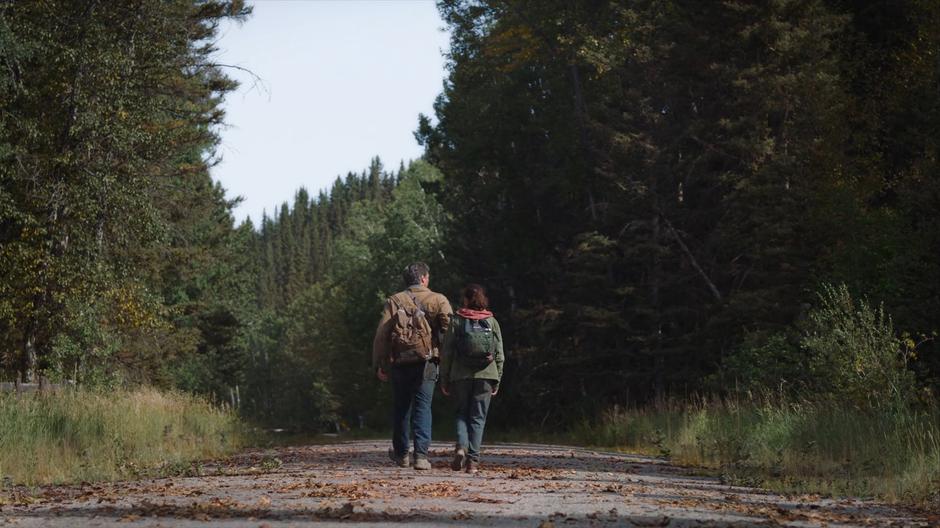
x=354, y=483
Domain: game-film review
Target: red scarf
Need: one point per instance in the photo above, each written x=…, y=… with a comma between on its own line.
x=474, y=315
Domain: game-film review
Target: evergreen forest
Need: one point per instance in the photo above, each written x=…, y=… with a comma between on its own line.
x=665, y=199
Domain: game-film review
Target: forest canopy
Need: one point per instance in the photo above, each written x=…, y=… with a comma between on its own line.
x=663, y=197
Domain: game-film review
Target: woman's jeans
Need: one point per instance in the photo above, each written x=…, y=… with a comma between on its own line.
x=472, y=397
x=412, y=391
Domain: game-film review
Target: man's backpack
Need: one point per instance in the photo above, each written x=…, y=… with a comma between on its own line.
x=476, y=343
x=411, y=333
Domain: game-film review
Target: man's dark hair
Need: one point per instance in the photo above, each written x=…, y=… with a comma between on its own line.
x=413, y=273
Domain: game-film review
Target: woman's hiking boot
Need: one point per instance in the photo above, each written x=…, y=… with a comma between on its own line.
x=422, y=462
x=460, y=458
x=473, y=467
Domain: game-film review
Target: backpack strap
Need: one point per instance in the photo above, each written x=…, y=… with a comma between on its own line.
x=418, y=304
x=424, y=313
x=414, y=300
x=460, y=324
x=468, y=323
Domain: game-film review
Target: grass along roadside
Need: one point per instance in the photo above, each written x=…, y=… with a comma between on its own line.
x=800, y=447
x=81, y=435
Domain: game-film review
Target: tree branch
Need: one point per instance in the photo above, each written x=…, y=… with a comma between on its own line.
x=256, y=81
x=691, y=257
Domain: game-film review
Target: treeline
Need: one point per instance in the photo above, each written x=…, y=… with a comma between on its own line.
x=296, y=245
x=118, y=255
x=655, y=192
x=324, y=268
x=120, y=262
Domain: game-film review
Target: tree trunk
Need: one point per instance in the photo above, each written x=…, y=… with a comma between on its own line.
x=30, y=358
x=581, y=113
x=657, y=326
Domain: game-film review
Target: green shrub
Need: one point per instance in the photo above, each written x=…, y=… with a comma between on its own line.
x=845, y=351
x=854, y=352
x=766, y=363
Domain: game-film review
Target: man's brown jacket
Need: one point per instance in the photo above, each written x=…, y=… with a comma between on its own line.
x=437, y=309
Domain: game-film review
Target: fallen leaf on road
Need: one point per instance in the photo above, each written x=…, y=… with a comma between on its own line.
x=437, y=489
x=349, y=491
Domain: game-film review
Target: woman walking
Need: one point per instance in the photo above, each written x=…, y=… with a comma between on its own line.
x=471, y=367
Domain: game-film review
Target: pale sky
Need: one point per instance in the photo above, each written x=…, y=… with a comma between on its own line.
x=341, y=82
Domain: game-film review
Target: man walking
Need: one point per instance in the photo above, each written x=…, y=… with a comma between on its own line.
x=406, y=349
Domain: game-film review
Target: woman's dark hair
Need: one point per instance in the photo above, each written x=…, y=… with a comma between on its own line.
x=474, y=297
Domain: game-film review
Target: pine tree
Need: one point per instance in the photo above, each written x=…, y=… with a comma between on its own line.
x=105, y=103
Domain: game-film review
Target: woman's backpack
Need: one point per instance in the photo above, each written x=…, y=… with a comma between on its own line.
x=476, y=343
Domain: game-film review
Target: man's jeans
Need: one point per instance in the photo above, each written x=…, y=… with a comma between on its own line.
x=413, y=389
x=472, y=397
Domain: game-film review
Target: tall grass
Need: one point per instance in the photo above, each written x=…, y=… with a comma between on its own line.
x=80, y=435
x=891, y=453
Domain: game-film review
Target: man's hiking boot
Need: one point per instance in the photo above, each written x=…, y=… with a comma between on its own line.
x=460, y=457
x=422, y=462
x=401, y=461
x=472, y=467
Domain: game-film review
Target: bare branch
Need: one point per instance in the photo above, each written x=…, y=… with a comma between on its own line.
x=692, y=260
x=257, y=81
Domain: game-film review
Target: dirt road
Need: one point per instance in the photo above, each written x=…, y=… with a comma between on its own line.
x=354, y=483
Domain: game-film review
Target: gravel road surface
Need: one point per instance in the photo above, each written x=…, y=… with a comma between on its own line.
x=354, y=483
